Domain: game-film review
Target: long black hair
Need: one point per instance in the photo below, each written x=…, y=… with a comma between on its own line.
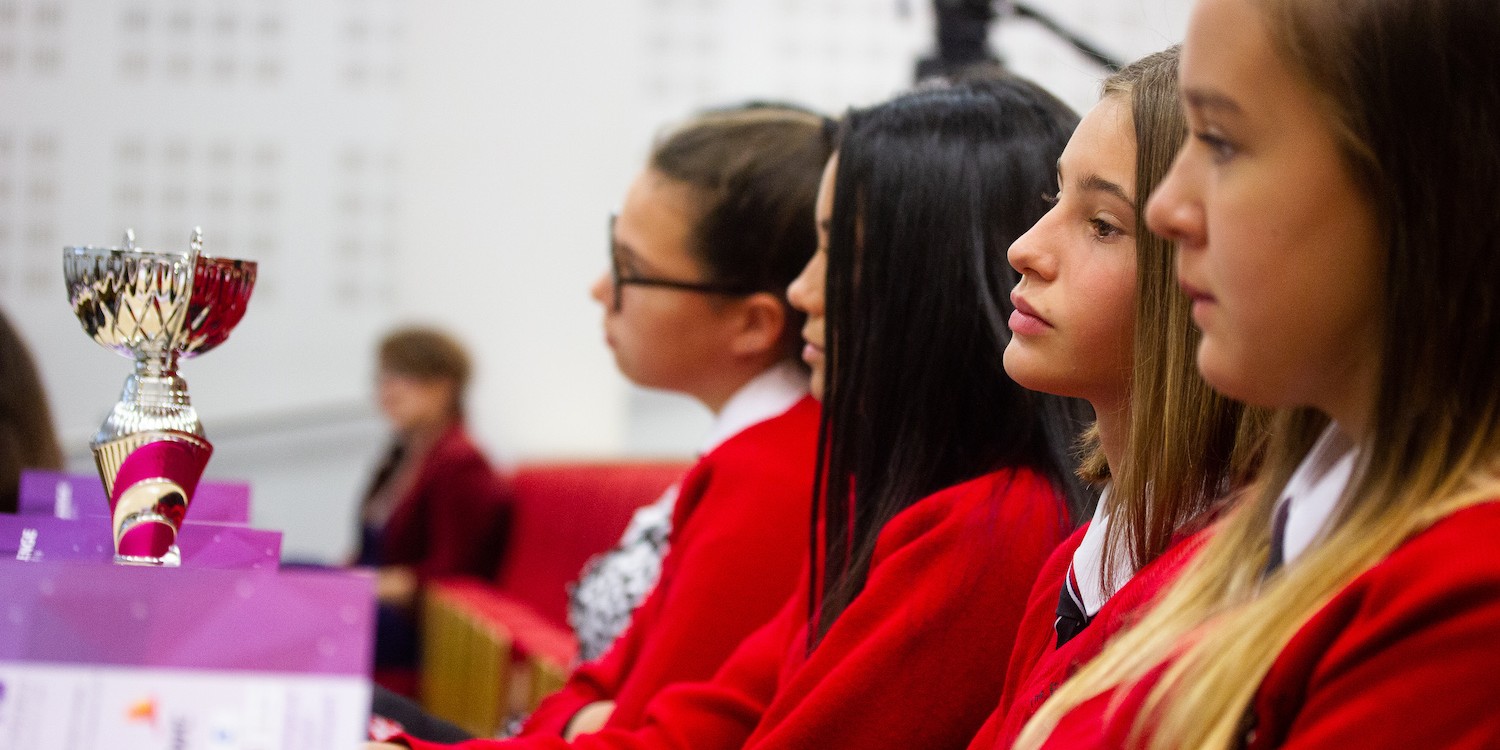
x=931, y=188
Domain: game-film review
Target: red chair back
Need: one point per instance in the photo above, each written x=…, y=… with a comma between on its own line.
x=566, y=513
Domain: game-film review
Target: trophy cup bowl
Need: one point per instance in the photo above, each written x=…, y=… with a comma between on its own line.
x=155, y=308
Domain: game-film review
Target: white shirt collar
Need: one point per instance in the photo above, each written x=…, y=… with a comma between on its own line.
x=1314, y=490
x=1088, y=561
x=769, y=394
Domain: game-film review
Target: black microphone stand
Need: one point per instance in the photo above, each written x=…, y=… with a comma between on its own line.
x=963, y=29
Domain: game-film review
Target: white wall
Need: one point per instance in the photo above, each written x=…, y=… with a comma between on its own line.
x=449, y=162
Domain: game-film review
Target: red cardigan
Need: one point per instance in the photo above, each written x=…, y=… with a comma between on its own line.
x=910, y=663
x=1404, y=657
x=455, y=518
x=1038, y=666
x=738, y=543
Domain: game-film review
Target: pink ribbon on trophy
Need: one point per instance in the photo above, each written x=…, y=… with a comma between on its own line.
x=152, y=490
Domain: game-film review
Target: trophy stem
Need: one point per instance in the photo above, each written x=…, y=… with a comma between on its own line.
x=151, y=402
x=150, y=452
x=149, y=405
x=161, y=364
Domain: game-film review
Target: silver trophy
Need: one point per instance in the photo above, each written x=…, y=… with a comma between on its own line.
x=154, y=307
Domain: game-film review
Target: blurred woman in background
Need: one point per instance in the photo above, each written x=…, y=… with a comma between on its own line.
x=436, y=507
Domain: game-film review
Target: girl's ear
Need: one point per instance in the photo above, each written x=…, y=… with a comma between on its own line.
x=759, y=326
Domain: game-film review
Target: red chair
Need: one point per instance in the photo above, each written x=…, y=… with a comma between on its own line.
x=564, y=514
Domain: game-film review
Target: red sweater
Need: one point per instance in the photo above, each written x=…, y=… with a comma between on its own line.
x=910, y=663
x=455, y=518
x=738, y=543
x=1402, y=658
x=1038, y=666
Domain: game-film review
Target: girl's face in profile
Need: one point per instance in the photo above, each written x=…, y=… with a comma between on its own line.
x=807, y=291
x=661, y=337
x=1277, y=247
x=1073, y=327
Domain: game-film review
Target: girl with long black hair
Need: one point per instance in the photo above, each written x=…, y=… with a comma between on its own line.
x=943, y=482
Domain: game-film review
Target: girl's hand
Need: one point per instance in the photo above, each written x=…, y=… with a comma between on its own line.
x=589, y=719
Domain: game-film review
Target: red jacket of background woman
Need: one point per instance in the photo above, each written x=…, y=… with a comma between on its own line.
x=455, y=517
x=738, y=543
x=910, y=664
x=1038, y=666
x=1403, y=657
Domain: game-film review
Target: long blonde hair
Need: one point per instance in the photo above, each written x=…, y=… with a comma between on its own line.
x=1434, y=439
x=1187, y=446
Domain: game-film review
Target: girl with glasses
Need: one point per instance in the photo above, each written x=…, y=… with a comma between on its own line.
x=709, y=235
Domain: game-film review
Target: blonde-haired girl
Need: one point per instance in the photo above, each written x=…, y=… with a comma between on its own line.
x=1336, y=216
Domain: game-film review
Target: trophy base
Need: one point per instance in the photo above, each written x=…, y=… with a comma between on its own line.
x=110, y=456
x=145, y=535
x=172, y=559
x=154, y=476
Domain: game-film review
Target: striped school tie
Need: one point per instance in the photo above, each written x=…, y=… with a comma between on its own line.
x=1071, y=616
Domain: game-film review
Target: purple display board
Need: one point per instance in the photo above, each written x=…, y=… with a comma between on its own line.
x=293, y=622
x=40, y=538
x=54, y=493
x=137, y=658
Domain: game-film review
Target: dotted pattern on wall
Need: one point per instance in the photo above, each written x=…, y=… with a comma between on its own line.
x=252, y=120
x=272, y=124
x=1126, y=29
x=28, y=208
x=365, y=208
x=31, y=38
x=228, y=44
x=831, y=54
x=827, y=54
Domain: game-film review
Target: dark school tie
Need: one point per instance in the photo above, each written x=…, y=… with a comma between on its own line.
x=1071, y=619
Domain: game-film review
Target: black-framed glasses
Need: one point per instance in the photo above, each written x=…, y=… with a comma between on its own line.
x=621, y=278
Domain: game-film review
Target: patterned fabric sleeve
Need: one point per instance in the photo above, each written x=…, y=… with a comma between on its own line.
x=613, y=583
